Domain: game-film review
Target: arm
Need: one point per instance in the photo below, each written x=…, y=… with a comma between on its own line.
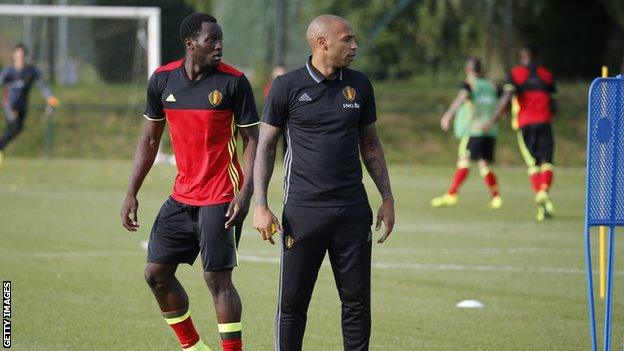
x=239, y=207
x=375, y=162
x=45, y=90
x=264, y=220
x=447, y=118
x=498, y=113
x=4, y=75
x=143, y=160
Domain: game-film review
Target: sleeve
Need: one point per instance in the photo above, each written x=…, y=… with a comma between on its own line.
x=45, y=90
x=509, y=84
x=4, y=74
x=154, y=107
x=369, y=110
x=276, y=107
x=245, y=112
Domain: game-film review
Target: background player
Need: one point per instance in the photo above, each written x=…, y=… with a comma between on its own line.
x=205, y=103
x=472, y=109
x=534, y=88
x=19, y=77
x=328, y=114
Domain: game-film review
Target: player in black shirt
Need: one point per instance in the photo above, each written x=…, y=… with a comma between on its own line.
x=19, y=79
x=327, y=114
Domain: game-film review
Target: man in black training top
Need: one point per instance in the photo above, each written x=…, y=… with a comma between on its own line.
x=19, y=78
x=206, y=103
x=327, y=114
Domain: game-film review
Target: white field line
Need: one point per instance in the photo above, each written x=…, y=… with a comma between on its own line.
x=447, y=267
x=449, y=250
x=413, y=266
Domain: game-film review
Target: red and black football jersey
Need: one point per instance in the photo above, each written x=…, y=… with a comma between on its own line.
x=534, y=86
x=203, y=117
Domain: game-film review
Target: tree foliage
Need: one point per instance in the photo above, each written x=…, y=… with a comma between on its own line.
x=575, y=37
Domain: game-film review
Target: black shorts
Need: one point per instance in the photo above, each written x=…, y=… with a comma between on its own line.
x=182, y=231
x=538, y=139
x=481, y=148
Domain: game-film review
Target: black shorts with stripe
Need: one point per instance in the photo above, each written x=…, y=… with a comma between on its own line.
x=481, y=148
x=539, y=140
x=182, y=231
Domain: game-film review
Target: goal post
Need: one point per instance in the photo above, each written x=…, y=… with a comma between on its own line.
x=151, y=14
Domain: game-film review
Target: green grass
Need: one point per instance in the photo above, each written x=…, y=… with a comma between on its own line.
x=78, y=277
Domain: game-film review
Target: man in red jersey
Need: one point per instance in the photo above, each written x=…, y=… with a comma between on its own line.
x=534, y=88
x=206, y=103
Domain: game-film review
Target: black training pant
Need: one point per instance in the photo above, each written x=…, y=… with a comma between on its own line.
x=14, y=124
x=344, y=232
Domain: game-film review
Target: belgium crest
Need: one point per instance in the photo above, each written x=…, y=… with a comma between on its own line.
x=215, y=97
x=349, y=93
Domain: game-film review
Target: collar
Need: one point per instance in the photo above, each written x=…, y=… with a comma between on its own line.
x=318, y=76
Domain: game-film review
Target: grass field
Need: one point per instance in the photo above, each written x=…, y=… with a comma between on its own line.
x=78, y=277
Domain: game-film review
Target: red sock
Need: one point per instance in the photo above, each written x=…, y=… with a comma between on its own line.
x=490, y=180
x=187, y=335
x=460, y=176
x=536, y=181
x=232, y=345
x=547, y=178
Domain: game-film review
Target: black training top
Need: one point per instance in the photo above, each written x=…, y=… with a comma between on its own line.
x=321, y=120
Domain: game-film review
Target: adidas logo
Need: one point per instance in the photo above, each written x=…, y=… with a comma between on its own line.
x=305, y=97
x=170, y=98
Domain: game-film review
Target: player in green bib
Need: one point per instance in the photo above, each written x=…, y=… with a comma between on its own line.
x=472, y=110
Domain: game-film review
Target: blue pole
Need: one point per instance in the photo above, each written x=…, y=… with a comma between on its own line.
x=588, y=261
x=590, y=288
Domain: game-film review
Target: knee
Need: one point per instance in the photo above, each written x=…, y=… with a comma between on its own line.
x=218, y=282
x=155, y=279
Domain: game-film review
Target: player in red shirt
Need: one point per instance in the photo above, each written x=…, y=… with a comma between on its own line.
x=534, y=88
x=206, y=104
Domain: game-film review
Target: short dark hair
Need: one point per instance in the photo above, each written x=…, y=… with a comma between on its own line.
x=191, y=25
x=21, y=46
x=475, y=64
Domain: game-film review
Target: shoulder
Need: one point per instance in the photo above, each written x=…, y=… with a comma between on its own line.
x=229, y=70
x=290, y=80
x=356, y=76
x=169, y=67
x=519, y=74
x=545, y=74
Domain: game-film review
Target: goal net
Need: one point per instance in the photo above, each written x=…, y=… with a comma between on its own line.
x=96, y=60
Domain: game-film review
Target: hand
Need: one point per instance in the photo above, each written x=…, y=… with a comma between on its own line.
x=487, y=126
x=129, y=219
x=266, y=223
x=385, y=215
x=445, y=122
x=238, y=209
x=53, y=102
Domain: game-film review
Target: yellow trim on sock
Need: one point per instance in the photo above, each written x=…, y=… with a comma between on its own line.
x=176, y=320
x=546, y=167
x=463, y=163
x=230, y=327
x=532, y=170
x=484, y=171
